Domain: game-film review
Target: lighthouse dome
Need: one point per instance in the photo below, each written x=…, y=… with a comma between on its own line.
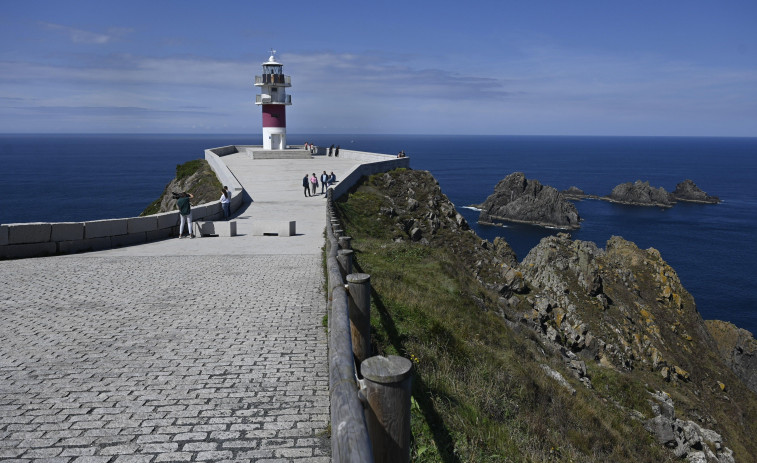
x=272, y=60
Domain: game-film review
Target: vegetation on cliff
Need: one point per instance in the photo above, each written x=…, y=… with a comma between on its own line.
x=576, y=354
x=195, y=177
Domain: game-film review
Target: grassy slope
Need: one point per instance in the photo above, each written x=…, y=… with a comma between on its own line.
x=479, y=392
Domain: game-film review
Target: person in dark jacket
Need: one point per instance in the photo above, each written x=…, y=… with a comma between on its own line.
x=306, y=185
x=185, y=214
x=324, y=182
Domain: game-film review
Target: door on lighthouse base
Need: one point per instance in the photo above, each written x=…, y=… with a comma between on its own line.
x=275, y=141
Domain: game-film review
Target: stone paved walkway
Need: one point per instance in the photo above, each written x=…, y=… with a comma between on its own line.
x=210, y=349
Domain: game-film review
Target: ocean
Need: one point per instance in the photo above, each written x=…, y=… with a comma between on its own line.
x=711, y=247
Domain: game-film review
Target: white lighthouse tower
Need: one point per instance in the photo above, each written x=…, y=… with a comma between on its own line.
x=274, y=99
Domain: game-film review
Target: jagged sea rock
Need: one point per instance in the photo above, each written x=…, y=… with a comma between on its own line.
x=738, y=348
x=574, y=193
x=689, y=191
x=641, y=193
x=518, y=199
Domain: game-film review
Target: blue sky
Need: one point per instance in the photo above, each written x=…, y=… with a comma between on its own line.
x=679, y=68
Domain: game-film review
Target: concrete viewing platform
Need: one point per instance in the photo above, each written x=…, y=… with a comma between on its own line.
x=205, y=349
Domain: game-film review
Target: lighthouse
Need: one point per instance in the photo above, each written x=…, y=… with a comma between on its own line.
x=274, y=99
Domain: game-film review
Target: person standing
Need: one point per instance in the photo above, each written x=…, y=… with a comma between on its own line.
x=185, y=214
x=226, y=202
x=336, y=153
x=314, y=184
x=332, y=178
x=306, y=185
x=331, y=149
x=324, y=181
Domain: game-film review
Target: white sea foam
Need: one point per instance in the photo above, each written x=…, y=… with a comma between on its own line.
x=472, y=208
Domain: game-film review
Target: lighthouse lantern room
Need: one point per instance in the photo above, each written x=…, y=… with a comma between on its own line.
x=274, y=99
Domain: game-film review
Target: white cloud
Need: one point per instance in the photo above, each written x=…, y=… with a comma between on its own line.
x=86, y=37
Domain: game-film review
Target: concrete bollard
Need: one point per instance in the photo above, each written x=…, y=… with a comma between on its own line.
x=338, y=232
x=345, y=242
x=344, y=257
x=387, y=414
x=360, y=314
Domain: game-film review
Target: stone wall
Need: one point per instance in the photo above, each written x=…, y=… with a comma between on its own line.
x=375, y=163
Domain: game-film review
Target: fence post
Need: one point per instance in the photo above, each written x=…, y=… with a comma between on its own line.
x=344, y=257
x=345, y=242
x=387, y=391
x=360, y=314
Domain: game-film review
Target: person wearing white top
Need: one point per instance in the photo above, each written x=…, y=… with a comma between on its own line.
x=226, y=202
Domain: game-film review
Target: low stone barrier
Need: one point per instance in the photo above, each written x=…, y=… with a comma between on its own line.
x=378, y=163
x=218, y=228
x=274, y=227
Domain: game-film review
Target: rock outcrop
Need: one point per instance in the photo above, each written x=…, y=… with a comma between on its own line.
x=738, y=348
x=640, y=194
x=686, y=438
x=690, y=192
x=518, y=199
x=195, y=177
x=574, y=193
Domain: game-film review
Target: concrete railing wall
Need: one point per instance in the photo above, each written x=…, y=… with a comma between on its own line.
x=19, y=240
x=374, y=166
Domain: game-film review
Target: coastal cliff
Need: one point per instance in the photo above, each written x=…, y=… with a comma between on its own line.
x=518, y=199
x=195, y=177
x=577, y=353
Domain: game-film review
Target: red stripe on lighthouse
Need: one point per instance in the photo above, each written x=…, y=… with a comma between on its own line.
x=274, y=115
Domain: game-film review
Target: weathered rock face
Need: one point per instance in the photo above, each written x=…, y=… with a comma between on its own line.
x=622, y=305
x=518, y=199
x=738, y=348
x=641, y=194
x=202, y=183
x=689, y=191
x=686, y=438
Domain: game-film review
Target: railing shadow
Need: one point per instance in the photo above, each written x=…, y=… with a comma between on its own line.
x=441, y=435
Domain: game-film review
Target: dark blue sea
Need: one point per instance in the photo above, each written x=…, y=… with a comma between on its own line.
x=712, y=247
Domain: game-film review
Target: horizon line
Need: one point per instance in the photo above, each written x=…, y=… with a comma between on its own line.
x=446, y=135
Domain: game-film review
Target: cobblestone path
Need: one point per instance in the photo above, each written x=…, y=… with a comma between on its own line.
x=165, y=358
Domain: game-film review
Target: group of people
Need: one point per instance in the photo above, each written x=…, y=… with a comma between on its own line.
x=401, y=154
x=311, y=147
x=314, y=149
x=334, y=150
x=310, y=183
